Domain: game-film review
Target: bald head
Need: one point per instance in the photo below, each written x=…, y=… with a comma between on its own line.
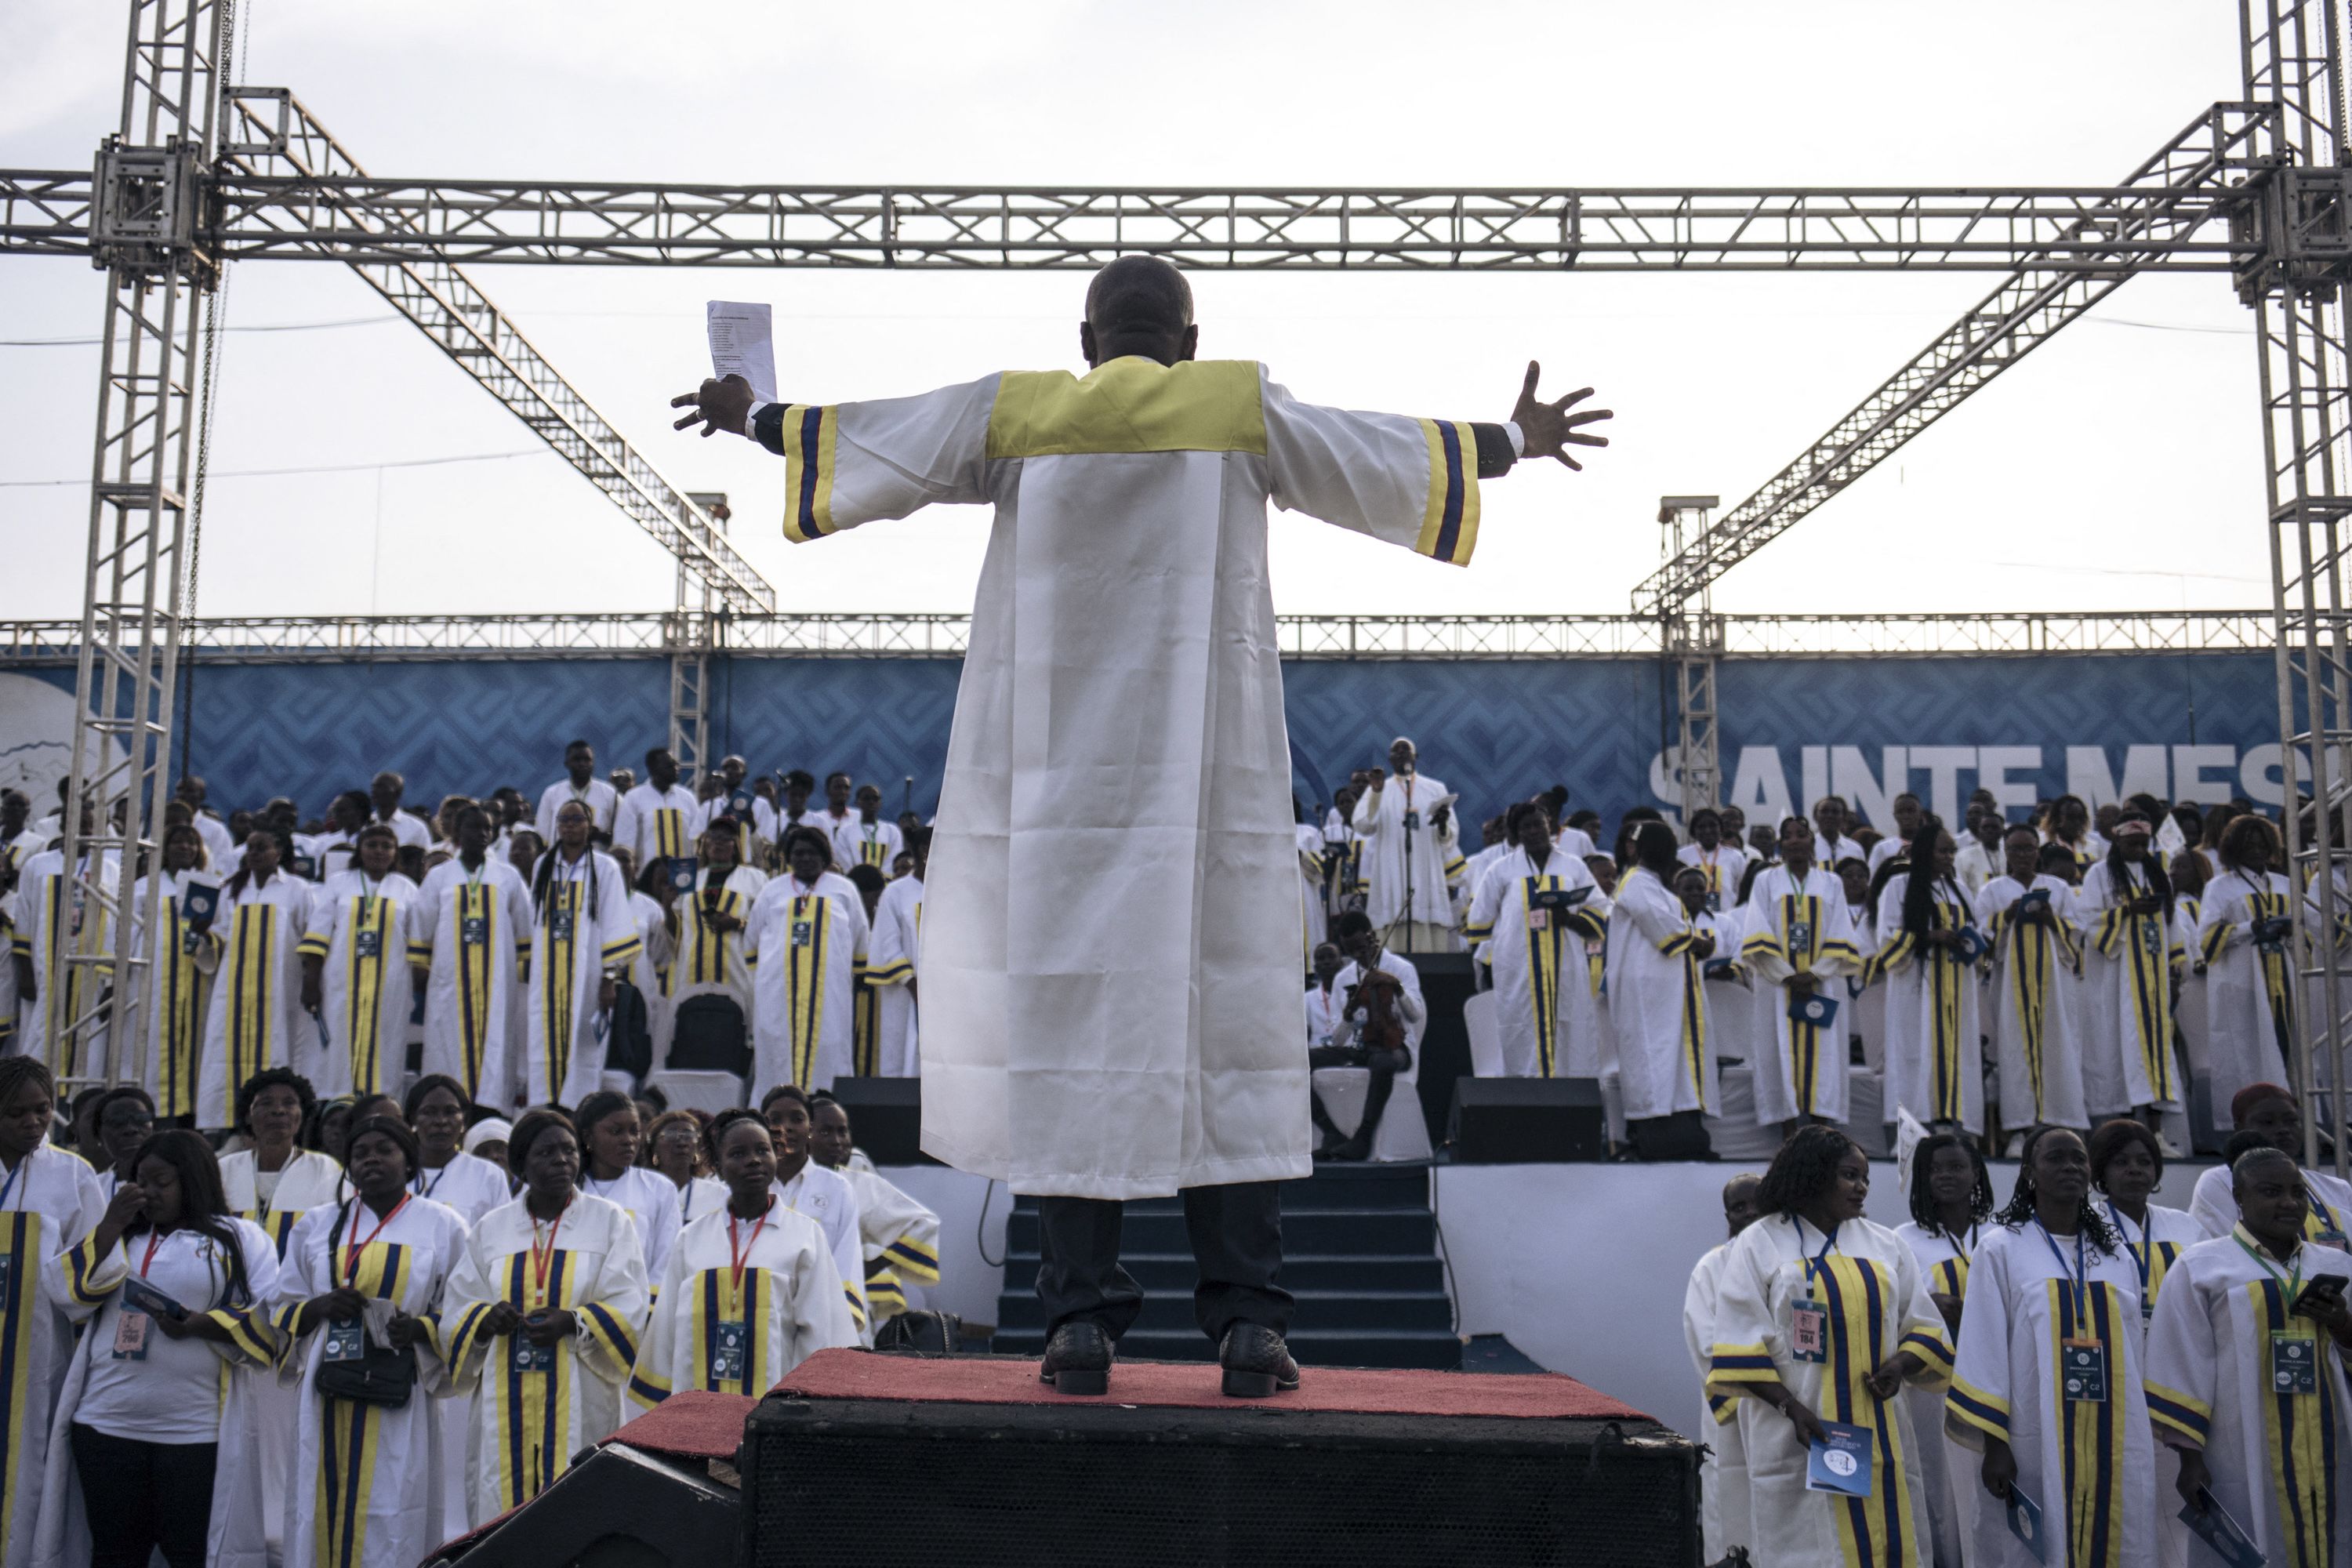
x=1138, y=305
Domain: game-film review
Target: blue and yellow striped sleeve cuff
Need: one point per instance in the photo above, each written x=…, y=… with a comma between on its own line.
x=897, y=971
x=1475, y=934
x=1839, y=948
x=1935, y=1357
x=21, y=945
x=1679, y=943
x=2216, y=938
x=884, y=1296
x=1449, y=521
x=2192, y=1418
x=249, y=1331
x=1587, y=924
x=1455, y=865
x=647, y=1388
x=623, y=950
x=420, y=952
x=2109, y=932
x=808, y=437
x=1761, y=943
x=1895, y=953
x=467, y=1337
x=313, y=946
x=1974, y=1408
x=1723, y=1407
x=918, y=1259
x=1741, y=1364
x=83, y=1272
x=605, y=1327
x=286, y=1321
x=856, y=1304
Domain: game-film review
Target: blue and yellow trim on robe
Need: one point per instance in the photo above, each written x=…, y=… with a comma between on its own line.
x=2300, y=1433
x=809, y=436
x=23, y=1307
x=349, y=1430
x=1859, y=1297
x=1449, y=523
x=2091, y=1443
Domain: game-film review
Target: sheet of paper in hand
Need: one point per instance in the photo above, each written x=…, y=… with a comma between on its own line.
x=742, y=342
x=1842, y=1465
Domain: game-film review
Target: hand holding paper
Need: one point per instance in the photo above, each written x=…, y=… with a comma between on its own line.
x=742, y=342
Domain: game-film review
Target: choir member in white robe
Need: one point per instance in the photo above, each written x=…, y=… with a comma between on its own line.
x=750, y=1290
x=803, y=939
x=1410, y=851
x=2136, y=943
x=899, y=1236
x=192, y=1388
x=1313, y=921
x=1934, y=1059
x=824, y=1195
x=1865, y=991
x=894, y=967
x=1722, y=1466
x=471, y=932
x=46, y=925
x=2272, y=1113
x=2244, y=939
x=2033, y=993
x=867, y=839
x=580, y=784
x=436, y=1106
x=1983, y=855
x=1326, y=999
x=2245, y=1375
x=1534, y=911
x=609, y=1140
x=2075, y=1436
x=584, y=935
x=707, y=928
x=1800, y=943
x=1723, y=862
x=1821, y=1315
x=542, y=1317
x=50, y=1200
x=272, y=1181
x=1657, y=1000
x=368, y=1482
x=659, y=819
x=181, y=960
x=255, y=1019
x=356, y=969
x=1951, y=1199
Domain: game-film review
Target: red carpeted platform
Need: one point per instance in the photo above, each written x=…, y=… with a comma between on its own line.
x=861, y=1375
x=691, y=1425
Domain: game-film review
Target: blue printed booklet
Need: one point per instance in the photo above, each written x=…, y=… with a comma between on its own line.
x=2211, y=1524
x=2025, y=1521
x=1842, y=1465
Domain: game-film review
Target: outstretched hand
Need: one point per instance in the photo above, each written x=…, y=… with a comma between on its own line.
x=722, y=406
x=1548, y=429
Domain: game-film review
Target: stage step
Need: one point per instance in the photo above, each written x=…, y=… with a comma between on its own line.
x=1359, y=1254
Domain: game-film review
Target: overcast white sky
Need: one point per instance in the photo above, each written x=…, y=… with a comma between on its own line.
x=2119, y=468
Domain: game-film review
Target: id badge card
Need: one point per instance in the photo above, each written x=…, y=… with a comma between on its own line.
x=191, y=940
x=130, y=1330
x=1538, y=919
x=1808, y=1331
x=474, y=931
x=1714, y=903
x=347, y=1342
x=529, y=1357
x=1800, y=937
x=730, y=1350
x=1413, y=822
x=2151, y=936
x=7, y=1276
x=2083, y=1367
x=368, y=943
x=2295, y=1364
x=803, y=932
x=559, y=926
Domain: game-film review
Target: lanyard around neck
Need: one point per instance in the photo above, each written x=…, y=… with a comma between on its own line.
x=2078, y=1278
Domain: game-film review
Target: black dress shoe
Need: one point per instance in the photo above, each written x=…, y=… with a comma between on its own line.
x=1078, y=1360
x=1256, y=1362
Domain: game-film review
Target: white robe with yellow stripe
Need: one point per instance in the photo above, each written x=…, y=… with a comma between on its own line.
x=2128, y=1058
x=1102, y=1019
x=901, y=1238
x=657, y=824
x=51, y=1203
x=469, y=1012
x=705, y=961
x=172, y=1008
x=894, y=957
x=42, y=932
x=2250, y=994
x=804, y=945
x=2281, y=1463
x=528, y=1422
x=2091, y=1465
x=1543, y=999
x=1947, y=1472
x=2035, y=997
x=1875, y=1298
x=366, y=1485
x=583, y=927
x=255, y=1019
x=1657, y=1001
x=1723, y=1463
x=1935, y=1058
x=788, y=1300
x=358, y=932
x=1793, y=930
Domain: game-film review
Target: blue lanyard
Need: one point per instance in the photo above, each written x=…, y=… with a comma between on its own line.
x=417, y=1185
x=10, y=1184
x=1818, y=1259
x=2079, y=1277
x=2142, y=1254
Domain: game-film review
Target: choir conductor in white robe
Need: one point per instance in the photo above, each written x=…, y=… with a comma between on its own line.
x=1110, y=945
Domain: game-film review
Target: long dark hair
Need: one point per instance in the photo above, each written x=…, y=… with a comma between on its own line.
x=1923, y=1202
x=203, y=1202
x=2117, y=877
x=1804, y=1167
x=544, y=873
x=2022, y=1198
x=1919, y=892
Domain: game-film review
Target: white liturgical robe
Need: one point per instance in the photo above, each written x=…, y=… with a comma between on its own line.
x=1110, y=952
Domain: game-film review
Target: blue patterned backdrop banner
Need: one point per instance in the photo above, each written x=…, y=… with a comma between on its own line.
x=2190, y=727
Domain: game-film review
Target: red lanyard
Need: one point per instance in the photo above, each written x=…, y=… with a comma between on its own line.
x=741, y=1260
x=154, y=1239
x=352, y=1251
x=541, y=1261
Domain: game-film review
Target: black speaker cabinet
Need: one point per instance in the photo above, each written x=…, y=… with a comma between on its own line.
x=618, y=1508
x=1527, y=1121
x=886, y=1118
x=1023, y=1486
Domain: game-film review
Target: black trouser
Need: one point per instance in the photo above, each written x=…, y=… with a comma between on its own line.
x=1384, y=1067
x=1236, y=1235
x=144, y=1496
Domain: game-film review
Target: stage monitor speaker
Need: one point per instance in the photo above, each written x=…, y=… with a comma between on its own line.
x=886, y=1118
x=619, y=1506
x=1014, y=1486
x=1527, y=1121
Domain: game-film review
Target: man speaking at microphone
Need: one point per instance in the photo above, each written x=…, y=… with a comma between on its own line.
x=1110, y=941
x=1412, y=853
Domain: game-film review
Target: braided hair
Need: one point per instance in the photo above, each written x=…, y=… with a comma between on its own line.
x=1804, y=1167
x=715, y=1133
x=2119, y=879
x=1919, y=892
x=544, y=873
x=2023, y=1197
x=1923, y=1201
